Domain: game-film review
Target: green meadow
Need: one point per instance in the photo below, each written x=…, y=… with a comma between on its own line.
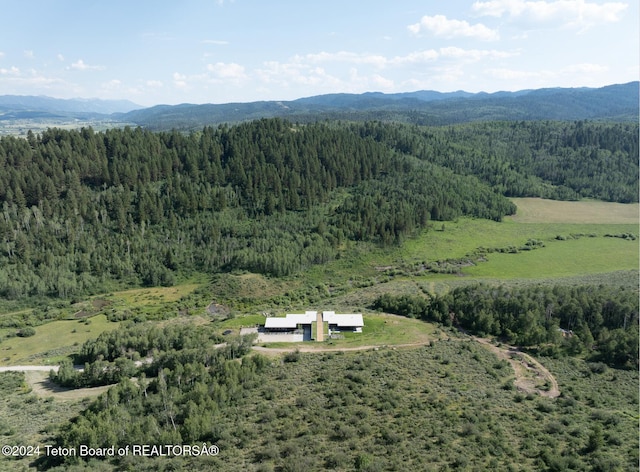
x=584, y=250
x=52, y=341
x=561, y=259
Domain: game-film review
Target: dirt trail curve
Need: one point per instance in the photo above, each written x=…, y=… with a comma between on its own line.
x=531, y=376
x=37, y=376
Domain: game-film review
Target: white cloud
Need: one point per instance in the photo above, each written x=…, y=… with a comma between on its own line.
x=440, y=25
x=153, y=83
x=179, y=80
x=60, y=57
x=296, y=72
x=573, y=13
x=217, y=42
x=382, y=83
x=575, y=73
x=231, y=70
x=474, y=54
x=1, y=54
x=80, y=65
x=219, y=75
x=585, y=68
x=344, y=71
x=512, y=74
x=29, y=54
x=417, y=57
x=13, y=70
x=111, y=85
x=380, y=62
x=343, y=56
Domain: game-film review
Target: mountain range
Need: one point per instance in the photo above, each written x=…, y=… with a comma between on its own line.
x=615, y=102
x=26, y=105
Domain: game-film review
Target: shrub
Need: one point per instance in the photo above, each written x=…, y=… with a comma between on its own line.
x=26, y=332
x=292, y=356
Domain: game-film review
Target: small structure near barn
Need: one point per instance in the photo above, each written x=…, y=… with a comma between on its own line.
x=314, y=325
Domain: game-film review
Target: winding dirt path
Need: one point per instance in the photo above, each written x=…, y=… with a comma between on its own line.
x=531, y=376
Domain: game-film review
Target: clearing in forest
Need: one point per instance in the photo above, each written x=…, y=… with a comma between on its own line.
x=540, y=210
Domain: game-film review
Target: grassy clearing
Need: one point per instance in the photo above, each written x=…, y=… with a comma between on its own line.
x=381, y=329
x=353, y=281
x=466, y=235
x=52, y=340
x=539, y=210
x=459, y=239
x=154, y=296
x=561, y=259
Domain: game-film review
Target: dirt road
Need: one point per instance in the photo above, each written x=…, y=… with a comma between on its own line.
x=29, y=368
x=318, y=349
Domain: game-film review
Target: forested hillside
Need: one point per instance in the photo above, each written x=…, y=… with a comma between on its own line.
x=82, y=210
x=562, y=161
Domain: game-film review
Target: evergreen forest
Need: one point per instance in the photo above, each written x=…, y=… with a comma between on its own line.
x=85, y=211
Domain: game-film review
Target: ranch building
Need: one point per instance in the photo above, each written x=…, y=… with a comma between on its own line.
x=314, y=325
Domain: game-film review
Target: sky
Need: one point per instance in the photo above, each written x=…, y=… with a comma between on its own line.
x=219, y=51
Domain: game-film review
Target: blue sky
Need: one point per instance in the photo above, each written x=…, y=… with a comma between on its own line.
x=218, y=51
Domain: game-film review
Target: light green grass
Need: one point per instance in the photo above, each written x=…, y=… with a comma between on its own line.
x=463, y=238
x=52, y=340
x=466, y=235
x=540, y=210
x=561, y=259
x=383, y=329
x=154, y=296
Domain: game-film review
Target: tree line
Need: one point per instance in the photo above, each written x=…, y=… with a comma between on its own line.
x=601, y=322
